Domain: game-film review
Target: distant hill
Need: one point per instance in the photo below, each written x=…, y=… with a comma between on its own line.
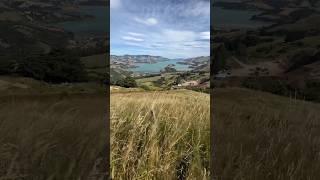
x=267, y=4
x=282, y=58
x=200, y=59
x=138, y=58
x=25, y=26
x=201, y=63
x=93, y=2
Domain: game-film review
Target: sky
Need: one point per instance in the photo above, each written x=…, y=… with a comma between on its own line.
x=168, y=28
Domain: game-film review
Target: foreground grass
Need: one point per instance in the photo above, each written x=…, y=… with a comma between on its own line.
x=262, y=136
x=53, y=137
x=160, y=135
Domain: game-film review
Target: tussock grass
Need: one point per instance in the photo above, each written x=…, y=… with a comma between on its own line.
x=52, y=138
x=160, y=135
x=263, y=136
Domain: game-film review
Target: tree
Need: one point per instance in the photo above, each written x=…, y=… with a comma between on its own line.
x=127, y=82
x=161, y=81
x=178, y=80
x=6, y=65
x=219, y=59
x=294, y=36
x=56, y=67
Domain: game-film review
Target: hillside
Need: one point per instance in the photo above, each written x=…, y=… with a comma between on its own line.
x=258, y=135
x=159, y=134
x=11, y=86
x=201, y=63
x=32, y=27
x=50, y=134
x=137, y=59
x=281, y=58
x=268, y=4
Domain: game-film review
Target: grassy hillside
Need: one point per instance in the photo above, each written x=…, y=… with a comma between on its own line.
x=51, y=131
x=52, y=137
x=15, y=85
x=160, y=135
x=263, y=136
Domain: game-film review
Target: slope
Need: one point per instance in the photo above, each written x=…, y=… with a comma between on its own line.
x=160, y=135
x=259, y=135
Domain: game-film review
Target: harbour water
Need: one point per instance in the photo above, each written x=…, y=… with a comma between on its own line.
x=156, y=67
x=98, y=25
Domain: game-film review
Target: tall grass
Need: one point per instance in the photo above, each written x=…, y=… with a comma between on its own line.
x=263, y=136
x=43, y=138
x=160, y=135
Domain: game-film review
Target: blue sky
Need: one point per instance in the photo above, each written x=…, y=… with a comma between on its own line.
x=168, y=28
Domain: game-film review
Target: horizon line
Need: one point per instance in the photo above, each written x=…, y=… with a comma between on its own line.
x=158, y=56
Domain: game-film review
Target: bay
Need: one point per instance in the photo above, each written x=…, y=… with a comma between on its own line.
x=156, y=67
x=98, y=25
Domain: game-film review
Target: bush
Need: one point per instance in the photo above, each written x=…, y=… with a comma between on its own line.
x=145, y=87
x=160, y=81
x=219, y=59
x=6, y=66
x=178, y=80
x=127, y=82
x=55, y=67
x=294, y=36
x=269, y=84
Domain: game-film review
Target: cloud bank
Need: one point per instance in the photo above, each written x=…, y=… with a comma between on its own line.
x=169, y=28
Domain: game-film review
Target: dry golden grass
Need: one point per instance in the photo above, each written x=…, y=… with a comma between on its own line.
x=263, y=136
x=160, y=135
x=52, y=137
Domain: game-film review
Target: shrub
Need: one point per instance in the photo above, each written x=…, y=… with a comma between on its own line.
x=56, y=67
x=268, y=84
x=6, y=65
x=145, y=87
x=127, y=82
x=220, y=56
x=160, y=81
x=294, y=36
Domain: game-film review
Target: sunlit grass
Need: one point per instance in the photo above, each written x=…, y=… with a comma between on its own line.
x=160, y=135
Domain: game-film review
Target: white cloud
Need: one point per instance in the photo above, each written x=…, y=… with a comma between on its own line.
x=172, y=29
x=196, y=44
x=136, y=34
x=157, y=45
x=114, y=4
x=134, y=44
x=174, y=35
x=148, y=21
x=205, y=35
x=130, y=38
x=201, y=9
